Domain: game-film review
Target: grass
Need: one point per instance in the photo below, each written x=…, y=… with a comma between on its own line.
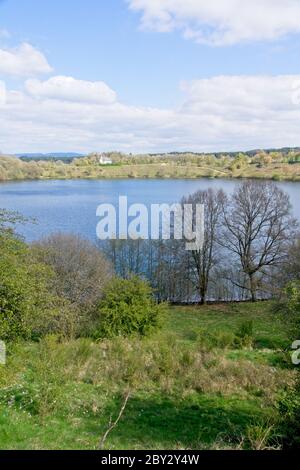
x=185, y=393
x=268, y=331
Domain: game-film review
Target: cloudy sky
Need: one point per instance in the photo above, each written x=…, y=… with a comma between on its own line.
x=149, y=75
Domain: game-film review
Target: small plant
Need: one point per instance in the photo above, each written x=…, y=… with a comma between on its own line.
x=244, y=334
x=289, y=409
x=216, y=339
x=261, y=437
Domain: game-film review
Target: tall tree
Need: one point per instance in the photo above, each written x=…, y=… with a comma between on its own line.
x=204, y=260
x=257, y=229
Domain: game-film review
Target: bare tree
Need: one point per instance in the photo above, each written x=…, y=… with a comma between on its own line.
x=82, y=271
x=203, y=261
x=292, y=270
x=257, y=228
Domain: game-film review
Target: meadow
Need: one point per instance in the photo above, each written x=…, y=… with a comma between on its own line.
x=210, y=378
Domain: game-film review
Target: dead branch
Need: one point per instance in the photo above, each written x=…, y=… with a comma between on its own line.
x=112, y=425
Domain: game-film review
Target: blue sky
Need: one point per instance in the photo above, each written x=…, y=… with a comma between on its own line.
x=154, y=56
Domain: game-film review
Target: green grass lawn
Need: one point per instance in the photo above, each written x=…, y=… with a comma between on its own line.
x=269, y=331
x=191, y=388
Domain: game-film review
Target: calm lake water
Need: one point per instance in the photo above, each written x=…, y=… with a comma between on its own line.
x=70, y=206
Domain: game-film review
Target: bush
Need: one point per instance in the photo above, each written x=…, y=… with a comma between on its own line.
x=28, y=308
x=216, y=339
x=289, y=403
x=18, y=297
x=244, y=334
x=291, y=307
x=128, y=307
x=289, y=408
x=243, y=337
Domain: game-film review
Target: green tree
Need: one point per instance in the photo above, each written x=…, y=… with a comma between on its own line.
x=292, y=306
x=128, y=307
x=29, y=307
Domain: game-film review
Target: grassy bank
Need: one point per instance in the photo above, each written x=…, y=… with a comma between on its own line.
x=208, y=379
x=14, y=169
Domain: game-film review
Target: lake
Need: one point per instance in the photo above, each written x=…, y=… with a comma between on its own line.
x=70, y=206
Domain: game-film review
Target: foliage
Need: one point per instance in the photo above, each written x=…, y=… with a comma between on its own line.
x=243, y=337
x=8, y=220
x=128, y=307
x=283, y=164
x=289, y=408
x=240, y=162
x=289, y=401
x=216, y=339
x=289, y=306
x=28, y=306
x=244, y=333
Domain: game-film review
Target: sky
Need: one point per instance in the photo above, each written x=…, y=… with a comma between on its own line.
x=149, y=75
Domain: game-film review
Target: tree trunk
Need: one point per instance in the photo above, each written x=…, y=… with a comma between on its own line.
x=252, y=288
x=202, y=292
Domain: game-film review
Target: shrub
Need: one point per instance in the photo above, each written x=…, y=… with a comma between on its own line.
x=289, y=402
x=243, y=337
x=291, y=306
x=244, y=334
x=128, y=307
x=289, y=408
x=261, y=436
x=216, y=339
x=28, y=308
x=18, y=297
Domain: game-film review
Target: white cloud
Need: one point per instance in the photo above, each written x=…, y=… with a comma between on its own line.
x=221, y=22
x=2, y=94
x=23, y=61
x=240, y=95
x=217, y=114
x=70, y=89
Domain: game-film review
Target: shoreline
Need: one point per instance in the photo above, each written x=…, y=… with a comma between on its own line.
x=162, y=178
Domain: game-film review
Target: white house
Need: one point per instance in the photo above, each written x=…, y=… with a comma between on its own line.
x=103, y=160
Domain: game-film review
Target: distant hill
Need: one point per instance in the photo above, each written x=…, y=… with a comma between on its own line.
x=250, y=153
x=58, y=155
x=66, y=157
